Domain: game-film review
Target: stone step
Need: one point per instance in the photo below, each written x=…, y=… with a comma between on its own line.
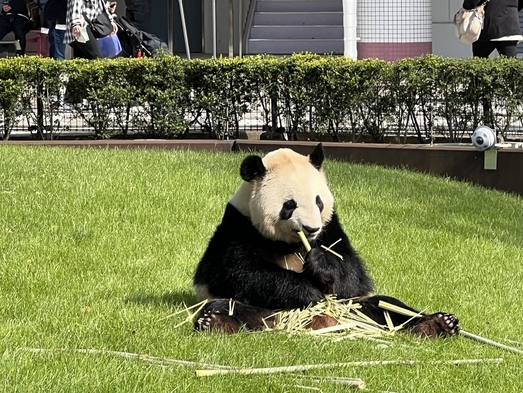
x=289, y=46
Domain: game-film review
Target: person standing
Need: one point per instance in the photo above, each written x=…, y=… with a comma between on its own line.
x=138, y=12
x=501, y=29
x=54, y=19
x=78, y=14
x=15, y=17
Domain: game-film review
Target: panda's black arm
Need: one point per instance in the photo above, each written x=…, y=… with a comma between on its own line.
x=268, y=285
x=342, y=272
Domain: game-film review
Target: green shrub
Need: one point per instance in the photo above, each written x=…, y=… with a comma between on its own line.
x=166, y=95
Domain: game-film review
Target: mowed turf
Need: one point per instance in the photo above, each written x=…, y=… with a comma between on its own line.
x=98, y=248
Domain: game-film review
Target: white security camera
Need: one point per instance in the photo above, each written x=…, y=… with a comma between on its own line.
x=484, y=138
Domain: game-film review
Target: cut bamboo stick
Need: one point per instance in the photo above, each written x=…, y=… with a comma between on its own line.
x=332, y=251
x=351, y=382
x=409, y=313
x=304, y=241
x=129, y=355
x=190, y=317
x=388, y=319
x=305, y=367
x=398, y=310
x=329, y=249
x=201, y=304
x=231, y=307
x=489, y=342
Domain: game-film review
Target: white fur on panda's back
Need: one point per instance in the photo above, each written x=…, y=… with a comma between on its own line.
x=289, y=176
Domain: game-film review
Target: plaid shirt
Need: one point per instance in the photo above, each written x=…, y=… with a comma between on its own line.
x=75, y=15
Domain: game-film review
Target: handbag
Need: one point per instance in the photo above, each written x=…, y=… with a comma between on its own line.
x=101, y=26
x=33, y=11
x=109, y=46
x=469, y=23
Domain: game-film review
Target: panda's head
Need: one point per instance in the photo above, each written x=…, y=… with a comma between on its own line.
x=285, y=192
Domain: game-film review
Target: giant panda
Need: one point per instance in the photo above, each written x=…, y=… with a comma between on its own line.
x=251, y=258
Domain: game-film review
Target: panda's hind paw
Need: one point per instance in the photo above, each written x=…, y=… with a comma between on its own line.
x=214, y=321
x=437, y=325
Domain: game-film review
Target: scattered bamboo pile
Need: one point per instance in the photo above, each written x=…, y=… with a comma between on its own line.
x=352, y=323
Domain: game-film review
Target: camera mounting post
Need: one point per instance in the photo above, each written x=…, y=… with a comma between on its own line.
x=484, y=139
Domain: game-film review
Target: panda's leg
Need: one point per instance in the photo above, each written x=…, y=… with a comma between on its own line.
x=229, y=316
x=431, y=325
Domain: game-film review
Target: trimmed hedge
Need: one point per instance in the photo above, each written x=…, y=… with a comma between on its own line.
x=167, y=95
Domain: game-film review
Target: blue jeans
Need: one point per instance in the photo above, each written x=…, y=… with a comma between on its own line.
x=18, y=25
x=56, y=44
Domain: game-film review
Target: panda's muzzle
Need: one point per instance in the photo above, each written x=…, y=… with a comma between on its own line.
x=311, y=232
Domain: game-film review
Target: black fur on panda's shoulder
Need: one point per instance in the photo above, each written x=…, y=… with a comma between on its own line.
x=240, y=264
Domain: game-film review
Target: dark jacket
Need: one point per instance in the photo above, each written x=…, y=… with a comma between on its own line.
x=17, y=7
x=138, y=12
x=501, y=18
x=54, y=12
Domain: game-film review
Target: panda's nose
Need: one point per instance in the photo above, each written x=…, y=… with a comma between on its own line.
x=310, y=231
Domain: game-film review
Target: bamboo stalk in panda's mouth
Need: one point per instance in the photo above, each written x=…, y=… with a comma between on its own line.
x=304, y=240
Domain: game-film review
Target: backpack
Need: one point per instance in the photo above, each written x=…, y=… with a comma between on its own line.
x=134, y=40
x=33, y=11
x=469, y=23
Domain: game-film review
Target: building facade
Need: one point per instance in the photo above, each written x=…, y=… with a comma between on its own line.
x=387, y=30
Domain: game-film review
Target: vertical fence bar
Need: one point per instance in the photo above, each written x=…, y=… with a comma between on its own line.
x=240, y=28
x=170, y=25
x=214, y=28
x=184, y=28
x=231, y=28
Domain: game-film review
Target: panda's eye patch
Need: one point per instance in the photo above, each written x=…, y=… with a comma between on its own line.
x=319, y=203
x=287, y=209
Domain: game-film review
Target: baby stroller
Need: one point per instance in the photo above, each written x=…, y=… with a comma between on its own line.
x=137, y=43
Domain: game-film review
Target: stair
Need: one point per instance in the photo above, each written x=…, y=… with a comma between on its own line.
x=290, y=26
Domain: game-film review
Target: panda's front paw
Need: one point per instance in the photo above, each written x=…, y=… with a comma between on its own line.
x=316, y=265
x=214, y=321
x=315, y=259
x=437, y=325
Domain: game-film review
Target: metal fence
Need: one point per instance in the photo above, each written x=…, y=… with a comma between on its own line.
x=75, y=121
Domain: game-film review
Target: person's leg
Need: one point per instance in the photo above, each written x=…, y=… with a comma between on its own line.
x=56, y=44
x=5, y=26
x=59, y=45
x=21, y=27
x=483, y=49
x=50, y=38
x=507, y=48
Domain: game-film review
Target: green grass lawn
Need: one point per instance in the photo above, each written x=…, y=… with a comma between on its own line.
x=98, y=248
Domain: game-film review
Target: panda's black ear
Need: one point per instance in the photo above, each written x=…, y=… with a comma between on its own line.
x=252, y=167
x=317, y=156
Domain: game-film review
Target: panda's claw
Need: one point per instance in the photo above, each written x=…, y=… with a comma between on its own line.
x=216, y=322
x=438, y=324
x=451, y=322
x=204, y=322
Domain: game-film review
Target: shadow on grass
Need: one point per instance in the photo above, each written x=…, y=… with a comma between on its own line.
x=165, y=299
